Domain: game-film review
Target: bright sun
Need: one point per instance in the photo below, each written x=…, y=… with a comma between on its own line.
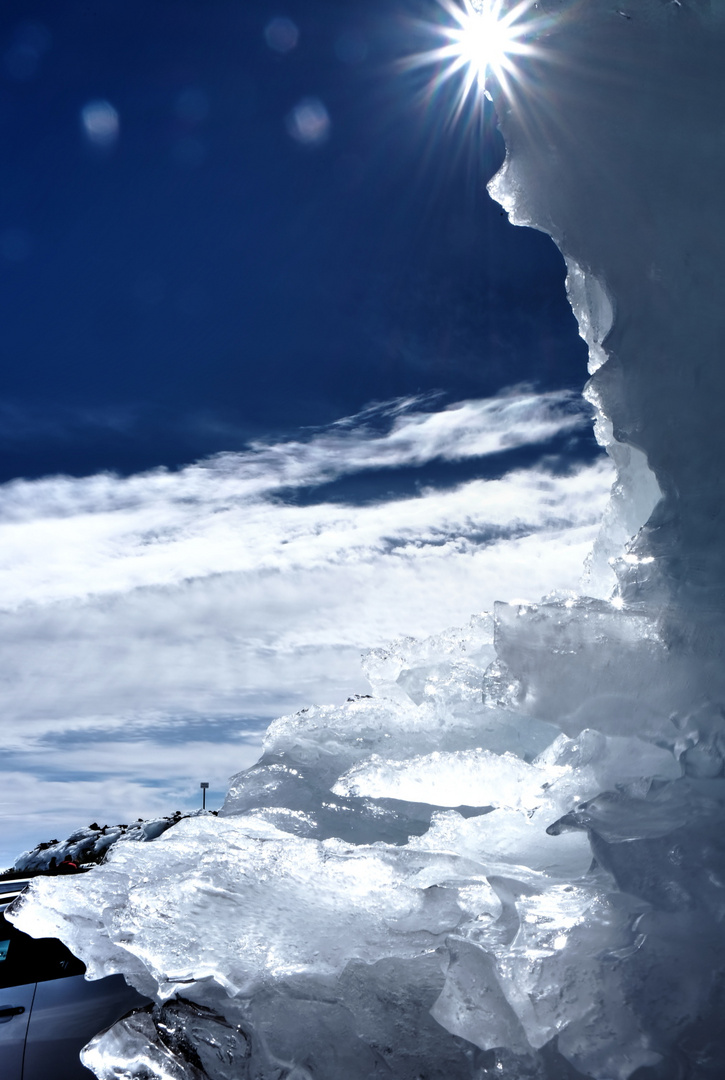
x=482, y=40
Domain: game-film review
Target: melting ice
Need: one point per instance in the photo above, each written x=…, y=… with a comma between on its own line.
x=508, y=860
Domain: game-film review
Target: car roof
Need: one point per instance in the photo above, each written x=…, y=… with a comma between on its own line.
x=10, y=889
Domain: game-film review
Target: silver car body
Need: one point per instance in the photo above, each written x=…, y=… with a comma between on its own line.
x=48, y=1010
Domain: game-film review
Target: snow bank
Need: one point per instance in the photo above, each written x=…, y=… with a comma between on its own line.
x=508, y=860
x=90, y=846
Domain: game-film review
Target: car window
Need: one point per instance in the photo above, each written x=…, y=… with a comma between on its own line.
x=26, y=960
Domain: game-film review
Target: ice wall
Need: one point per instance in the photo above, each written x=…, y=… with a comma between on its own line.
x=615, y=149
x=507, y=861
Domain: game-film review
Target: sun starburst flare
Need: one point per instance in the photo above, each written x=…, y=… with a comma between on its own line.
x=484, y=39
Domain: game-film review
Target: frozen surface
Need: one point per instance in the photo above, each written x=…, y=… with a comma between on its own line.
x=429, y=881
x=508, y=860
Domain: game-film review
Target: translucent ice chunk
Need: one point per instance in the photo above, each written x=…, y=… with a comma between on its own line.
x=467, y=777
x=556, y=966
x=472, y=645
x=600, y=762
x=178, y=1041
x=510, y=843
x=472, y=1003
x=583, y=663
x=266, y=901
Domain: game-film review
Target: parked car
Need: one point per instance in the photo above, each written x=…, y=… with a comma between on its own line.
x=48, y=1011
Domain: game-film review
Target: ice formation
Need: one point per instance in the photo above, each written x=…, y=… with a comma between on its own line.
x=509, y=860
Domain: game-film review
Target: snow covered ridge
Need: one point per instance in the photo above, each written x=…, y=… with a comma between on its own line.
x=89, y=846
x=509, y=860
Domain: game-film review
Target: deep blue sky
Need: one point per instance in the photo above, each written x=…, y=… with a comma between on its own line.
x=208, y=279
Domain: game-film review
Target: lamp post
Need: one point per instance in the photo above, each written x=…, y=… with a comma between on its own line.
x=203, y=787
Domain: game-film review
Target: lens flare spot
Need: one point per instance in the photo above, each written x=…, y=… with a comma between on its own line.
x=282, y=35
x=309, y=122
x=100, y=123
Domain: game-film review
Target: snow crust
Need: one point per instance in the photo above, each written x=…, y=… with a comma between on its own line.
x=90, y=845
x=509, y=859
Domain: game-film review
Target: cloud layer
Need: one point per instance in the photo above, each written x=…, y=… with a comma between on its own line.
x=133, y=607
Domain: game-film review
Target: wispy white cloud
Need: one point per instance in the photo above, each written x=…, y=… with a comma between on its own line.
x=130, y=602
x=63, y=537
x=169, y=541
x=464, y=430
